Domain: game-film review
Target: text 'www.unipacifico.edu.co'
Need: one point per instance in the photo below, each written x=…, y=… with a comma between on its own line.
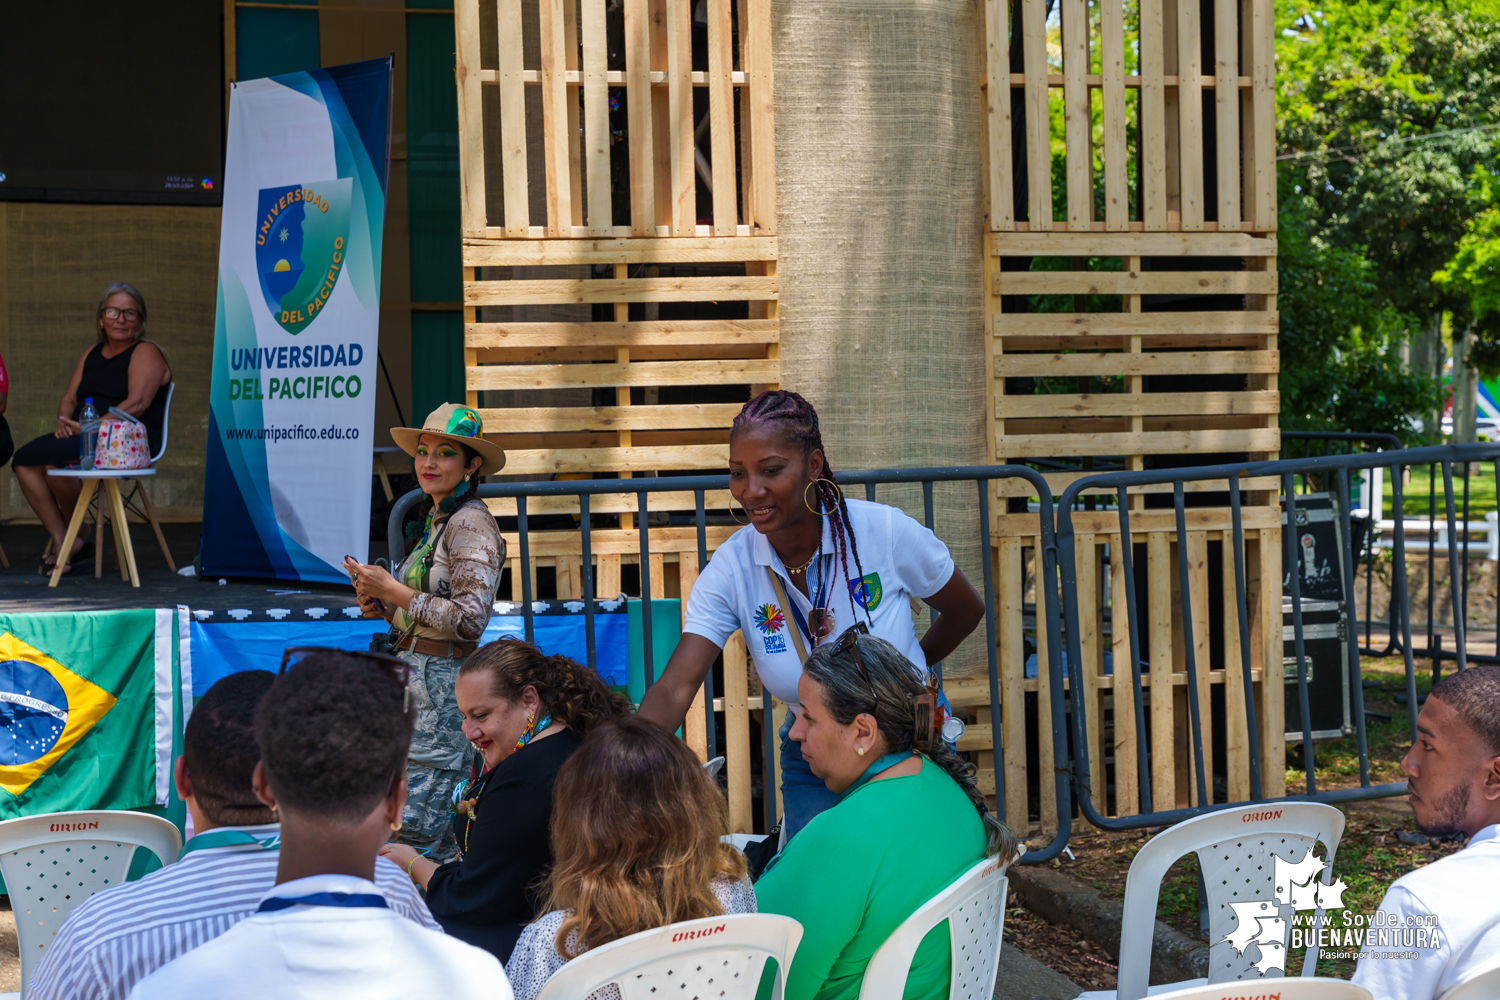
x=300, y=432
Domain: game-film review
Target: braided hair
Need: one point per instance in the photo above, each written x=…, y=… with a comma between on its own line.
x=795, y=418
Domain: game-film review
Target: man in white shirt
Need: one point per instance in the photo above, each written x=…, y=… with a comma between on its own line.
x=333, y=733
x=1441, y=922
x=119, y=936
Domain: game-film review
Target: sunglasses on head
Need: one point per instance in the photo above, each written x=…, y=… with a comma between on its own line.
x=925, y=724
x=393, y=665
x=848, y=642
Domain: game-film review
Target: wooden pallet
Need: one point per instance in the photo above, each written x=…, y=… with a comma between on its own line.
x=576, y=295
x=574, y=80
x=1078, y=332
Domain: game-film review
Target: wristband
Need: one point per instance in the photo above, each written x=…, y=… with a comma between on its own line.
x=409, y=866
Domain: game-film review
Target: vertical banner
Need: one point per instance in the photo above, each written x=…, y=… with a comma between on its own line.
x=292, y=406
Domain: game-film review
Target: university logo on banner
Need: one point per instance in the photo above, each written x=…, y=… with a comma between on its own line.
x=45, y=709
x=300, y=241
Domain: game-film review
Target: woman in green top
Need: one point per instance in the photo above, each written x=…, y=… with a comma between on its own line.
x=908, y=822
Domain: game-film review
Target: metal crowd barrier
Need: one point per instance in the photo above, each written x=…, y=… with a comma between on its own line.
x=1059, y=611
x=981, y=476
x=1335, y=467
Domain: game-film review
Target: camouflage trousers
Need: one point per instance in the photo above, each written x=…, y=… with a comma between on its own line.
x=439, y=759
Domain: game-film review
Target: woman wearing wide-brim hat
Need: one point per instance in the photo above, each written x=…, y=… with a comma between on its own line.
x=438, y=603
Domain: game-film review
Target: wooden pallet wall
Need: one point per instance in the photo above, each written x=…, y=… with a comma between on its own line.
x=611, y=252
x=1131, y=320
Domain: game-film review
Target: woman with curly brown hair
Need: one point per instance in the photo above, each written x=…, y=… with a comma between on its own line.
x=635, y=829
x=525, y=713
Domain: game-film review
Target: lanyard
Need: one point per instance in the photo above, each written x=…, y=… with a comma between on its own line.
x=228, y=838
x=885, y=763
x=798, y=619
x=348, y=899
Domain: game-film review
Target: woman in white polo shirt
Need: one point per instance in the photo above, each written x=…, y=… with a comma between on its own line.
x=813, y=564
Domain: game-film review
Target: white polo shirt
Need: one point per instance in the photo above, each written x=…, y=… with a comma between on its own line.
x=900, y=557
x=1459, y=891
x=328, y=952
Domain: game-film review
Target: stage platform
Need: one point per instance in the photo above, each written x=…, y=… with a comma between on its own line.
x=24, y=590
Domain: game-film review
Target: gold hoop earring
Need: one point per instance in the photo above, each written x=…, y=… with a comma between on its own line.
x=396, y=826
x=836, y=490
x=731, y=512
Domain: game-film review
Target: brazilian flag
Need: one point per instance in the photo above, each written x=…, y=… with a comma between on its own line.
x=86, y=710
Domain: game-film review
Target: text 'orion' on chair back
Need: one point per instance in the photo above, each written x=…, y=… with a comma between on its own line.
x=51, y=862
x=718, y=957
x=1237, y=851
x=974, y=907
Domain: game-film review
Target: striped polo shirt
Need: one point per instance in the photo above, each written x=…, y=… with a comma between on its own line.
x=120, y=936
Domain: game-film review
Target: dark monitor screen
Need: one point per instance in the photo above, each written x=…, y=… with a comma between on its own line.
x=108, y=102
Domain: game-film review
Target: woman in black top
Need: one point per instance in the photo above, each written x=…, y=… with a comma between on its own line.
x=123, y=369
x=525, y=713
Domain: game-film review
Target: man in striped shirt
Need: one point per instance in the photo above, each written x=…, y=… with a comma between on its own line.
x=123, y=934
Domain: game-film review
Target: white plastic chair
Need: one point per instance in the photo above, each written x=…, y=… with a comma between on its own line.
x=1236, y=850
x=721, y=957
x=51, y=862
x=1300, y=988
x=1481, y=984
x=113, y=507
x=974, y=907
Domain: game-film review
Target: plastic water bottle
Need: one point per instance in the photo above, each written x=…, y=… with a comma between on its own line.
x=89, y=421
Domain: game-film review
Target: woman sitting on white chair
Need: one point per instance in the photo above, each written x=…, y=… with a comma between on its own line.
x=909, y=821
x=636, y=824
x=116, y=371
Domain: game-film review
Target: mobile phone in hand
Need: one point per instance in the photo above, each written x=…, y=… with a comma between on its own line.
x=354, y=579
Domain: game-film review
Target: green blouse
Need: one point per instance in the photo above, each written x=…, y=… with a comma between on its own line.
x=859, y=869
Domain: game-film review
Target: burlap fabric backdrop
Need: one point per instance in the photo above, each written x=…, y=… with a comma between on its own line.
x=55, y=260
x=878, y=117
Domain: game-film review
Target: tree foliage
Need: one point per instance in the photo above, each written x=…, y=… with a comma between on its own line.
x=1473, y=277
x=1341, y=367
x=1374, y=80
x=1389, y=108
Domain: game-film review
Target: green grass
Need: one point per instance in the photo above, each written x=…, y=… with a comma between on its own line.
x=1414, y=493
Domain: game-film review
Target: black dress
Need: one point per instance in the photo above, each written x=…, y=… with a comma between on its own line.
x=107, y=381
x=487, y=898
